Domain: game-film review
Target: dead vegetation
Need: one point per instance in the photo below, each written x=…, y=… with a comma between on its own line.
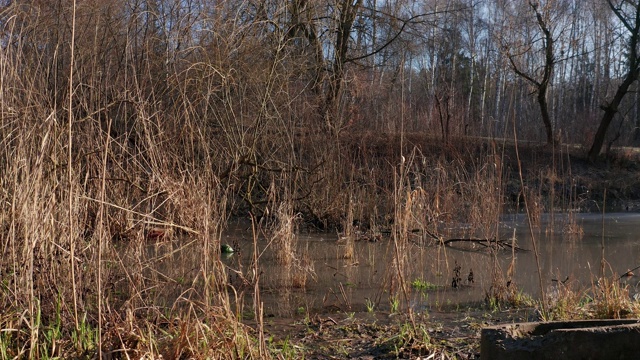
x=117, y=163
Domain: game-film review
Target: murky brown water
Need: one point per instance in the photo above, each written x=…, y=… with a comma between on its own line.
x=349, y=285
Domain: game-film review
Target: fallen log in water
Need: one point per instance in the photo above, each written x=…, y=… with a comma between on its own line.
x=487, y=243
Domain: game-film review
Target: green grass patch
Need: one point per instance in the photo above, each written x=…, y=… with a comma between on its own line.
x=423, y=285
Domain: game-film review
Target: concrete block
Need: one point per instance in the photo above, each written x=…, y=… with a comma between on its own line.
x=584, y=339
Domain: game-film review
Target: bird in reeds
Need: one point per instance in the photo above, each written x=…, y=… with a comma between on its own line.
x=629, y=278
x=155, y=234
x=226, y=249
x=556, y=281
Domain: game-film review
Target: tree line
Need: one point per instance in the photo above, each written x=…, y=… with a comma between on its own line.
x=553, y=70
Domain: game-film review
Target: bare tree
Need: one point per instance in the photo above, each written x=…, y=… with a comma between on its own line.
x=628, y=12
x=348, y=10
x=539, y=79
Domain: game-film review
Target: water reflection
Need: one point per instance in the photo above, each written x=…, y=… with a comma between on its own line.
x=323, y=280
x=366, y=280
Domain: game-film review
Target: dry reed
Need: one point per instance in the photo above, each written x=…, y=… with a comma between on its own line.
x=126, y=149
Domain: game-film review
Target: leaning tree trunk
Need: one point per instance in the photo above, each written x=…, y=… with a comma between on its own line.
x=610, y=111
x=631, y=21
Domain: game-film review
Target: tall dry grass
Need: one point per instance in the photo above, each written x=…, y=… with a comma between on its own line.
x=127, y=145
x=124, y=154
x=115, y=180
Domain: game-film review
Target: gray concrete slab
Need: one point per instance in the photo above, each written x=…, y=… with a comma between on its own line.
x=584, y=339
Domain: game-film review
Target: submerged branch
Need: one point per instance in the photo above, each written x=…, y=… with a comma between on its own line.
x=485, y=242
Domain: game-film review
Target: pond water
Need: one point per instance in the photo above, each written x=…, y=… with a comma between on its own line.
x=323, y=281
x=351, y=285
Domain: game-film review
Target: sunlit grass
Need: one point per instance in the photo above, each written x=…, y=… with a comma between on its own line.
x=423, y=285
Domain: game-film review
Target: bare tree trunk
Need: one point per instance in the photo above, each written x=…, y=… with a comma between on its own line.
x=541, y=85
x=636, y=129
x=632, y=24
x=348, y=11
x=610, y=111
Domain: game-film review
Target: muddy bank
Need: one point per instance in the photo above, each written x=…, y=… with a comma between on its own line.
x=564, y=178
x=380, y=335
x=457, y=180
